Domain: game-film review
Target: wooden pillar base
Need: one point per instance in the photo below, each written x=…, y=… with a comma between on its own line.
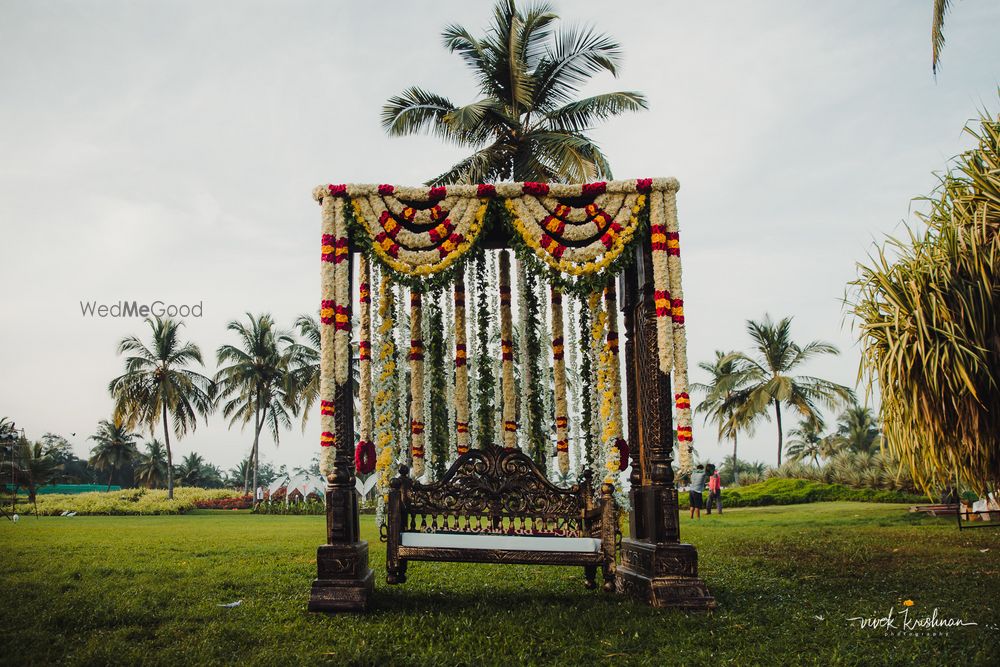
x=662, y=575
x=344, y=581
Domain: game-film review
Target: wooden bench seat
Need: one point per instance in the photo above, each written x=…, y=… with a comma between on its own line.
x=495, y=506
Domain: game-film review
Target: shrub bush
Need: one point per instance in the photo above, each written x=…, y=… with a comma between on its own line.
x=127, y=501
x=785, y=491
x=310, y=506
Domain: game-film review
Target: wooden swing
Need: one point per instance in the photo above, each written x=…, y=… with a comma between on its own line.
x=495, y=506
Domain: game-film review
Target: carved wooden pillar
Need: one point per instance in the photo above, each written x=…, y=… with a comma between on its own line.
x=344, y=582
x=655, y=565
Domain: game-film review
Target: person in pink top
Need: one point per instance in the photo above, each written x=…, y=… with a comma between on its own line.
x=714, y=490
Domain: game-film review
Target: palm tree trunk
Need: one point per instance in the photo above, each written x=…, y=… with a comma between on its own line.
x=246, y=470
x=736, y=468
x=258, y=424
x=170, y=456
x=777, y=414
x=110, y=477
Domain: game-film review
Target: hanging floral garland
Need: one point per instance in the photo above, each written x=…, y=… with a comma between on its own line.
x=365, y=444
x=661, y=281
x=553, y=243
x=616, y=448
x=408, y=247
x=334, y=289
x=586, y=396
x=682, y=402
x=461, y=368
x=507, y=352
x=416, y=358
x=559, y=378
x=448, y=301
x=599, y=399
x=435, y=386
x=384, y=401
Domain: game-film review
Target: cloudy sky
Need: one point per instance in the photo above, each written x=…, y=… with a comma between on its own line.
x=167, y=151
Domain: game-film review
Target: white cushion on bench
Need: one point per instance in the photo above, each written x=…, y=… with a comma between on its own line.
x=508, y=542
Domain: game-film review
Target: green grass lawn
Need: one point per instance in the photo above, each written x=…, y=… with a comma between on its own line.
x=92, y=590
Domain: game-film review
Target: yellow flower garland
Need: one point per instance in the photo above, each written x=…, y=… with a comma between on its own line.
x=507, y=350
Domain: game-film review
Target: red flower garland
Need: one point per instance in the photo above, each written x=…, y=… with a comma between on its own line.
x=364, y=457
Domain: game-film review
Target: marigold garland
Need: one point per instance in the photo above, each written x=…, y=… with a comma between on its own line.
x=611, y=407
x=327, y=377
x=416, y=357
x=507, y=356
x=341, y=296
x=661, y=281
x=384, y=400
x=364, y=353
x=682, y=402
x=559, y=378
x=461, y=368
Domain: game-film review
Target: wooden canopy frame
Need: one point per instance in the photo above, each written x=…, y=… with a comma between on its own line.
x=654, y=566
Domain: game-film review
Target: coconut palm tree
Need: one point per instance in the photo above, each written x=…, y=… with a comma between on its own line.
x=769, y=382
x=257, y=380
x=525, y=124
x=725, y=392
x=240, y=475
x=196, y=471
x=857, y=430
x=303, y=374
x=115, y=446
x=158, y=385
x=806, y=441
x=30, y=466
x=151, y=467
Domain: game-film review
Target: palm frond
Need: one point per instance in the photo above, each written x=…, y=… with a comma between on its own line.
x=582, y=115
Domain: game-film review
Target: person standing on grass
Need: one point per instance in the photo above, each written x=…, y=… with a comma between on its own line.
x=715, y=491
x=696, y=488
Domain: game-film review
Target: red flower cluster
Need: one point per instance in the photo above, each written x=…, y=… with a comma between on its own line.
x=623, y=452
x=239, y=503
x=328, y=243
x=486, y=190
x=385, y=190
x=536, y=189
x=338, y=190
x=364, y=457
x=326, y=311
x=594, y=189
x=644, y=185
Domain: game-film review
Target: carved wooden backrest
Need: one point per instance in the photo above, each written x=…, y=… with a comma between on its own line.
x=496, y=490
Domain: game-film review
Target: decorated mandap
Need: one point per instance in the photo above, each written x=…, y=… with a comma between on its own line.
x=594, y=254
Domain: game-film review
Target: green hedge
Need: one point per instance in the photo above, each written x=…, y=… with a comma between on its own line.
x=782, y=491
x=310, y=506
x=126, y=501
